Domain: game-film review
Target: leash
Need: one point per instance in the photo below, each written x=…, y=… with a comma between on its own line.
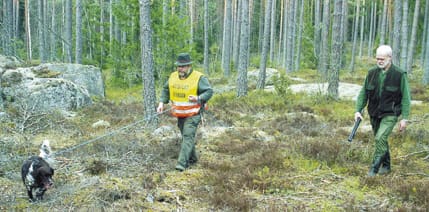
x=108, y=134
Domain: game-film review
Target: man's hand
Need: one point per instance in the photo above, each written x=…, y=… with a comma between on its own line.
x=193, y=98
x=358, y=115
x=402, y=125
x=160, y=107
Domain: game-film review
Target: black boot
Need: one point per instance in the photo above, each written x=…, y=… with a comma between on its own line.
x=374, y=167
x=385, y=165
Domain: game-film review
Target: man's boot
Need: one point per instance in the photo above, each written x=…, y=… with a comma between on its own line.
x=385, y=165
x=374, y=167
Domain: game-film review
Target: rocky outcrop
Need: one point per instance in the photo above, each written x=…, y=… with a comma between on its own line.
x=50, y=86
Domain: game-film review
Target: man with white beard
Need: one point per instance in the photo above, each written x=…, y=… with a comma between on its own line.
x=386, y=92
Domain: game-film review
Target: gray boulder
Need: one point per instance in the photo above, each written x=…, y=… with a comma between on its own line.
x=52, y=86
x=9, y=62
x=83, y=75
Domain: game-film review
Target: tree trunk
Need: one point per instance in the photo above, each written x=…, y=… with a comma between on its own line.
x=149, y=95
x=355, y=34
x=265, y=45
x=28, y=31
x=425, y=79
x=317, y=28
x=101, y=33
x=372, y=23
x=299, y=39
x=336, y=50
x=291, y=37
x=397, y=18
x=383, y=24
x=68, y=31
x=78, y=32
x=226, y=49
x=404, y=35
x=286, y=31
x=244, y=50
x=206, y=38
x=324, y=51
x=1, y=91
x=41, y=31
x=361, y=32
x=236, y=33
x=425, y=28
x=413, y=41
x=53, y=39
x=273, y=31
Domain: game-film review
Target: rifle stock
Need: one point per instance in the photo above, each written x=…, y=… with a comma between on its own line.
x=355, y=127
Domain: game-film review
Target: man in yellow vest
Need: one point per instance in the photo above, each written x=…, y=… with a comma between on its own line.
x=187, y=91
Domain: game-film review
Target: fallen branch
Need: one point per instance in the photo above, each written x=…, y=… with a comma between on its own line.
x=415, y=153
x=416, y=174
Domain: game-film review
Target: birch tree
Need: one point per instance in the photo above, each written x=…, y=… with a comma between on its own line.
x=149, y=95
x=244, y=50
x=265, y=45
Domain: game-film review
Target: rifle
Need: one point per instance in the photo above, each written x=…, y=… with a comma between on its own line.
x=355, y=127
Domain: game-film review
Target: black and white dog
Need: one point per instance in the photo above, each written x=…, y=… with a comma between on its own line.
x=36, y=172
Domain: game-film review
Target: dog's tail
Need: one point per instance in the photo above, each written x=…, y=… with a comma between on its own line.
x=46, y=152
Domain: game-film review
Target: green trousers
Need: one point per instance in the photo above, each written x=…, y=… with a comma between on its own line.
x=382, y=128
x=188, y=128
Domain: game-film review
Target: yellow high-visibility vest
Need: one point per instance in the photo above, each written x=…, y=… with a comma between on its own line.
x=180, y=90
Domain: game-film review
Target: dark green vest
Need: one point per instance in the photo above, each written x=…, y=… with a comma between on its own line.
x=389, y=102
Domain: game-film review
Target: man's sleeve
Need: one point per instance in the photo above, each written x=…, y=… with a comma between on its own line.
x=406, y=97
x=205, y=91
x=362, y=98
x=165, y=93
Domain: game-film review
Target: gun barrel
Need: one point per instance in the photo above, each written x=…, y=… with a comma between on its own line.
x=355, y=127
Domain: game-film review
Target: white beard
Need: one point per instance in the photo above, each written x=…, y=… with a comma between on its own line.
x=384, y=64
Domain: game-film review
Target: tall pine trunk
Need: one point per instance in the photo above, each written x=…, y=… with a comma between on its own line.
x=336, y=50
x=206, y=37
x=226, y=48
x=413, y=41
x=68, y=31
x=244, y=50
x=78, y=32
x=397, y=19
x=149, y=95
x=265, y=45
x=404, y=35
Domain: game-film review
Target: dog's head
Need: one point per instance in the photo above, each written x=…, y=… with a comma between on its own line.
x=44, y=176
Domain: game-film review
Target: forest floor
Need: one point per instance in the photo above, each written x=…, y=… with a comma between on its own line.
x=263, y=152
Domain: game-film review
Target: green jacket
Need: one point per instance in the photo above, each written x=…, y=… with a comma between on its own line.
x=386, y=93
x=205, y=91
